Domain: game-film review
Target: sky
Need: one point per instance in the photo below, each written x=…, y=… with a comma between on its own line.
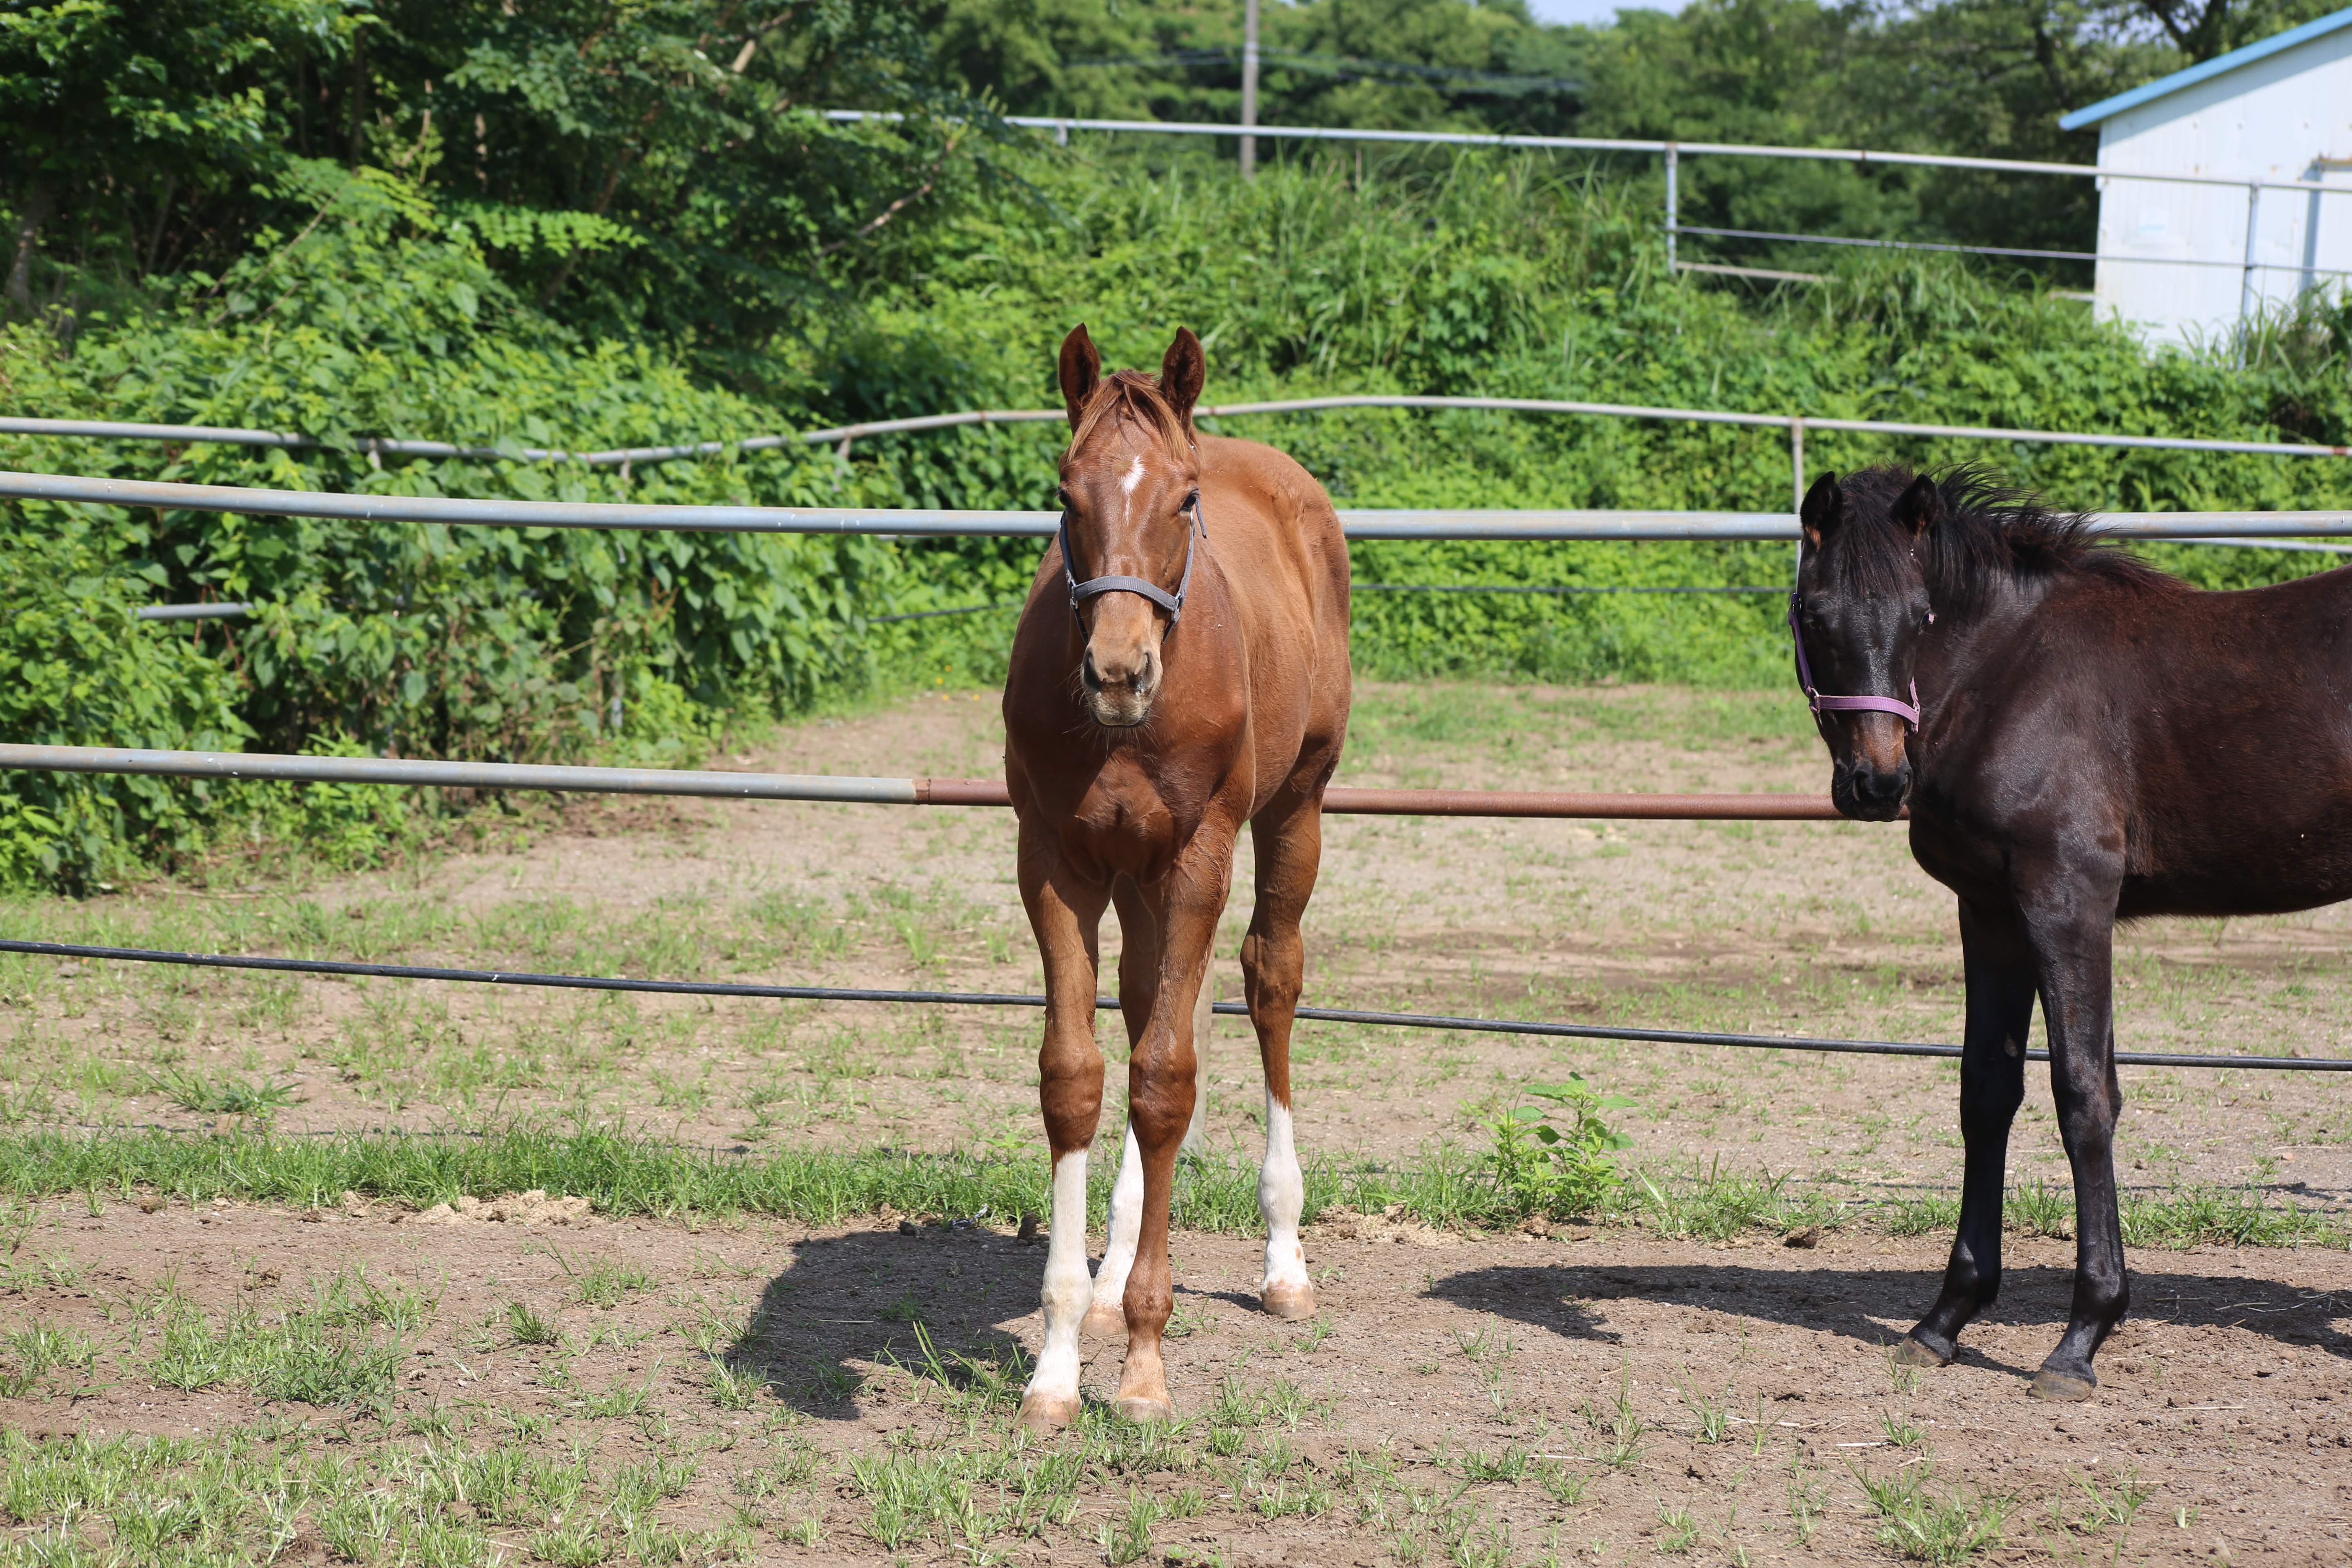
x=1587, y=10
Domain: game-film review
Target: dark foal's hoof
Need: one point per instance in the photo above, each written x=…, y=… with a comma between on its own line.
x=1908, y=1351
x=2062, y=1386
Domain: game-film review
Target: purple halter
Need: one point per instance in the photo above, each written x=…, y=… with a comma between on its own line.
x=1906, y=712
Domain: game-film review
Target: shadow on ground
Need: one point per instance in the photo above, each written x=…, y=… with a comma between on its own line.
x=1851, y=1300
x=847, y=1302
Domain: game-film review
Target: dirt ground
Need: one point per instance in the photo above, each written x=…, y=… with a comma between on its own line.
x=695, y=1391
x=1595, y=1399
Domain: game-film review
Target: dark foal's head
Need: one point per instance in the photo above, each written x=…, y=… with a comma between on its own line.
x=1861, y=610
x=1130, y=485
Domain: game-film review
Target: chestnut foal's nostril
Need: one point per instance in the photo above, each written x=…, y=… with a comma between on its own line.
x=1088, y=676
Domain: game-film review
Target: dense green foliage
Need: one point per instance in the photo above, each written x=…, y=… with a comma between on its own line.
x=551, y=227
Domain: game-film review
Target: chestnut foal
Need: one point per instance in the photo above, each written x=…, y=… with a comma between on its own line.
x=1181, y=668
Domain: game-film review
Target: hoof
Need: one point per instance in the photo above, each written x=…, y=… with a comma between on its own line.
x=1103, y=1320
x=1908, y=1351
x=1288, y=1302
x=1046, y=1413
x=2059, y=1385
x=1139, y=1409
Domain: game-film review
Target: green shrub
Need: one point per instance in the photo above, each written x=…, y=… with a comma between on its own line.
x=78, y=668
x=1556, y=1159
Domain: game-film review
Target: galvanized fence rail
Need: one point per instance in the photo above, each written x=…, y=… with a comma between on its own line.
x=1466, y=523
x=843, y=436
x=1674, y=151
x=843, y=993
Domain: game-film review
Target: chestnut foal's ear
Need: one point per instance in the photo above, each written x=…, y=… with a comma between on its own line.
x=1920, y=507
x=1182, y=373
x=1081, y=371
x=1823, y=508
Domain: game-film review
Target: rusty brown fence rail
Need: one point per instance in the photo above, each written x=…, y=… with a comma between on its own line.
x=839, y=789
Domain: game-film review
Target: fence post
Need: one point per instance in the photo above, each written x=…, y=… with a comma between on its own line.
x=2246, y=288
x=1670, y=208
x=1797, y=458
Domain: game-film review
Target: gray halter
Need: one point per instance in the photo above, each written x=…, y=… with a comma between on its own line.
x=1094, y=587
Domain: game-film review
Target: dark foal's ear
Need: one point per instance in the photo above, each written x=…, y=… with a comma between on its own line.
x=1182, y=373
x=1081, y=371
x=1823, y=508
x=1920, y=508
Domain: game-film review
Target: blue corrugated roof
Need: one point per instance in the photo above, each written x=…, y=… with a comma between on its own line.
x=2109, y=107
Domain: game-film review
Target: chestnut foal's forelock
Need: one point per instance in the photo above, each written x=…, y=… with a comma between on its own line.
x=1129, y=396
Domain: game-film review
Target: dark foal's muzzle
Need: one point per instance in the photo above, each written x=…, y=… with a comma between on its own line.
x=1859, y=786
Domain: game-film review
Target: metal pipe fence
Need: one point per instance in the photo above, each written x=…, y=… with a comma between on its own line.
x=840, y=789
x=841, y=435
x=1609, y=144
x=1674, y=152
x=922, y=522
x=838, y=994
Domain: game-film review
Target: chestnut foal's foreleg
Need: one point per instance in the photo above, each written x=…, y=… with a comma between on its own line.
x=1067, y=914
x=1138, y=992
x=1999, y=966
x=1289, y=845
x=1161, y=1087
x=2074, y=940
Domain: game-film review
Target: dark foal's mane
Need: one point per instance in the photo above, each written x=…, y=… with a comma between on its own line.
x=1129, y=395
x=1990, y=534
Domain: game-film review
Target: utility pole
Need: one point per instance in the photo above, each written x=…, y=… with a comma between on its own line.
x=1249, y=88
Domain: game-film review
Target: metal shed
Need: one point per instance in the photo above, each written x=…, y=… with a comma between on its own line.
x=2186, y=261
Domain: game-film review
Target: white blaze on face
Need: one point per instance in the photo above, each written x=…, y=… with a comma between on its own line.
x=1126, y=1227
x=1126, y=483
x=1066, y=1285
x=1281, y=1195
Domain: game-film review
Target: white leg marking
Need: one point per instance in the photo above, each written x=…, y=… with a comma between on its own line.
x=1066, y=1285
x=1125, y=1228
x=1196, y=1136
x=1281, y=1195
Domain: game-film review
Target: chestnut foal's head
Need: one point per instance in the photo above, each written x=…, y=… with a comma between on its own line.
x=1129, y=494
x=1860, y=613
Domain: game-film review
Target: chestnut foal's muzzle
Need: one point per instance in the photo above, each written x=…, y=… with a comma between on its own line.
x=1906, y=712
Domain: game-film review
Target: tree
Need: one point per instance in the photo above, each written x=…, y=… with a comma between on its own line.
x=132, y=123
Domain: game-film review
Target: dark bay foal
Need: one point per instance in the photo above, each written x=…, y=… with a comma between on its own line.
x=2092, y=741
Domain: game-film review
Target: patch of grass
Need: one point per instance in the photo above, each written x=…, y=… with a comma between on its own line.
x=324, y=1354
x=224, y=1096
x=603, y=1284
x=1925, y=1526
x=1618, y=1429
x=2181, y=1218
x=1712, y=1206
x=528, y=1328
x=623, y=1174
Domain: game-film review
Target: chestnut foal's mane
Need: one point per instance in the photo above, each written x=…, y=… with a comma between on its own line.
x=1989, y=532
x=1128, y=396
